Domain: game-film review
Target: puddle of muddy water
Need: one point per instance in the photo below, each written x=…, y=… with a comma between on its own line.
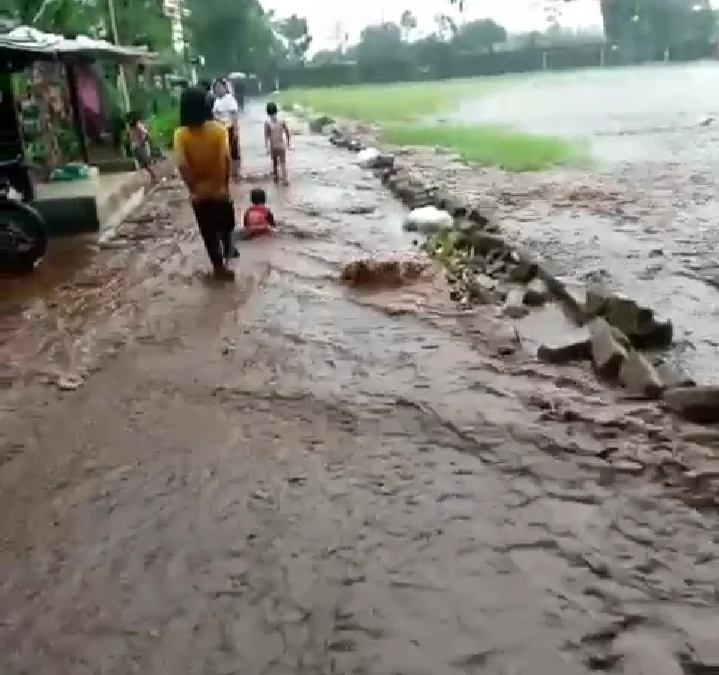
x=65, y=258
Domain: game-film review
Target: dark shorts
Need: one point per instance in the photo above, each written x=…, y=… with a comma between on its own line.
x=234, y=144
x=216, y=221
x=143, y=154
x=278, y=155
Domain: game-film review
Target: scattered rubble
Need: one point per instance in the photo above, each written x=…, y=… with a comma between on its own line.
x=697, y=404
x=671, y=376
x=482, y=267
x=319, y=124
x=576, y=348
x=638, y=323
x=608, y=350
x=639, y=377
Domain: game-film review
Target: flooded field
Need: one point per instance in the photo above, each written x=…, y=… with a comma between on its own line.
x=285, y=476
x=645, y=113
x=644, y=219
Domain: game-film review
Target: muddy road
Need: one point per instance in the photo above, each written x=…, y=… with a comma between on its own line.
x=281, y=476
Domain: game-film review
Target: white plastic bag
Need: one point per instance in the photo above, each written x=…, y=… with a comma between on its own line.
x=427, y=220
x=368, y=157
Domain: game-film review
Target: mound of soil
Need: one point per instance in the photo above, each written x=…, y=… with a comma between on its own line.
x=368, y=273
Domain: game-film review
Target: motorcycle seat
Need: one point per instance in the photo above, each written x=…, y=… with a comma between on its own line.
x=10, y=163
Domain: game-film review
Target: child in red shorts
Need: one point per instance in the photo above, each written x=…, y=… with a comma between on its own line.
x=259, y=220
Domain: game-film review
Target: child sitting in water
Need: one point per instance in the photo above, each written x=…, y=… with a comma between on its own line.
x=140, y=138
x=258, y=220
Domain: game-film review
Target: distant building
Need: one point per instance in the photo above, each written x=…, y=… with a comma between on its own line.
x=175, y=11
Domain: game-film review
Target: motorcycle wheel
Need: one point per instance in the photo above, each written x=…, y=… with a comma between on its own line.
x=23, y=237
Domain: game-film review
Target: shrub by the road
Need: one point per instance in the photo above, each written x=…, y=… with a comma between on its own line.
x=162, y=126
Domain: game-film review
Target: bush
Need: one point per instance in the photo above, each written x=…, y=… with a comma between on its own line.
x=162, y=126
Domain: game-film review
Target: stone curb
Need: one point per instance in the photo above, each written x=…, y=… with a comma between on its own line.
x=614, y=332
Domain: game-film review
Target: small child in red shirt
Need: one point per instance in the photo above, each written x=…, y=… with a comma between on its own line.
x=259, y=220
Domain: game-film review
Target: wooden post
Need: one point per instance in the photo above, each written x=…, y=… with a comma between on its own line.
x=77, y=118
x=121, y=80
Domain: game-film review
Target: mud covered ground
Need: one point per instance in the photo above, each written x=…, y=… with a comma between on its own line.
x=282, y=476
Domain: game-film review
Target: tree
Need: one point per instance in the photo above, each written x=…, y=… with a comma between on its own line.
x=480, y=35
x=54, y=15
x=296, y=32
x=327, y=56
x=340, y=36
x=141, y=22
x=232, y=35
x=138, y=21
x=408, y=23
x=379, y=42
x=446, y=27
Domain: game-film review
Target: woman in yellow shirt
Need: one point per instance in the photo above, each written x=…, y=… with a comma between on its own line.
x=203, y=158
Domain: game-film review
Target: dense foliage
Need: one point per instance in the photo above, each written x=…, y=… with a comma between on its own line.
x=641, y=29
x=239, y=35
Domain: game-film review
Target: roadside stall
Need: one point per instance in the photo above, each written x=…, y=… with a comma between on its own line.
x=56, y=116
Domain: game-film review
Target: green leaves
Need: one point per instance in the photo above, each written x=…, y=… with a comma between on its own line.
x=232, y=34
x=296, y=32
x=138, y=21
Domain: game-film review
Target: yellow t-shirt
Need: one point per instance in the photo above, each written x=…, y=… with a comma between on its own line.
x=204, y=152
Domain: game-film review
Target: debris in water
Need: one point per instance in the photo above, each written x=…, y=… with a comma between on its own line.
x=369, y=272
x=69, y=383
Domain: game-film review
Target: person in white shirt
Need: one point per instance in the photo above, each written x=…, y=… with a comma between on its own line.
x=226, y=111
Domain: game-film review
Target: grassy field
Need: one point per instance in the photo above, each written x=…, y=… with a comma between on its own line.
x=491, y=146
x=402, y=111
x=391, y=102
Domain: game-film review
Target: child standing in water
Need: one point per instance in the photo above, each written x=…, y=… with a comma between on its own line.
x=140, y=138
x=202, y=149
x=277, y=141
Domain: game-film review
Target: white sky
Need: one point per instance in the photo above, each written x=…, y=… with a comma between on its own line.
x=515, y=15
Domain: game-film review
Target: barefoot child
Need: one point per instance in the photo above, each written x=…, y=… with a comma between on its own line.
x=259, y=220
x=202, y=150
x=140, y=138
x=277, y=141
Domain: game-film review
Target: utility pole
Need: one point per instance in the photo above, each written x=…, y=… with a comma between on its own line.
x=121, y=80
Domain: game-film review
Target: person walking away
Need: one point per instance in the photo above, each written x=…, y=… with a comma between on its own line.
x=202, y=152
x=258, y=220
x=240, y=94
x=140, y=139
x=227, y=112
x=206, y=86
x=277, y=142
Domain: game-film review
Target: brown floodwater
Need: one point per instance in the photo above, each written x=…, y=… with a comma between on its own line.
x=644, y=221
x=287, y=475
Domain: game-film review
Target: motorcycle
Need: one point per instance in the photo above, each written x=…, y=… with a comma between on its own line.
x=23, y=235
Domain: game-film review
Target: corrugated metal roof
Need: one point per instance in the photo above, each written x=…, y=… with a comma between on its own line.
x=33, y=41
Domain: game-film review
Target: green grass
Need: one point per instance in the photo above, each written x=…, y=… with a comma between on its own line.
x=491, y=146
x=401, y=111
x=391, y=102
